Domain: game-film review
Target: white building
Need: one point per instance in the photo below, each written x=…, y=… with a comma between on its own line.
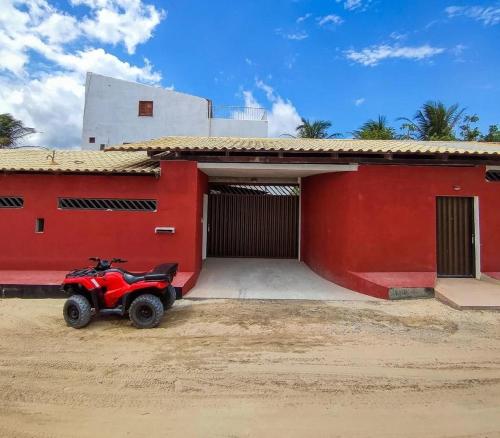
x=118, y=112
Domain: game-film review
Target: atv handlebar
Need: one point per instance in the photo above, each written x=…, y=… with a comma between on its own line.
x=103, y=264
x=118, y=261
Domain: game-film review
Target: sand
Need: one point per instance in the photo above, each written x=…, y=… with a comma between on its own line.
x=224, y=368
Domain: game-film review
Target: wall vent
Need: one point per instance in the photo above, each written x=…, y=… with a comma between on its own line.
x=107, y=204
x=11, y=202
x=250, y=189
x=493, y=175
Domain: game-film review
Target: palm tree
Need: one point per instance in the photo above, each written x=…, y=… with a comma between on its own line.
x=434, y=121
x=493, y=134
x=12, y=130
x=315, y=129
x=375, y=130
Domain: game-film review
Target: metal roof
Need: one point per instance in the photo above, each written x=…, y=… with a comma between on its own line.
x=310, y=145
x=40, y=160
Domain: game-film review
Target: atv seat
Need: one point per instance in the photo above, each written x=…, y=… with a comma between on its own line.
x=131, y=278
x=164, y=272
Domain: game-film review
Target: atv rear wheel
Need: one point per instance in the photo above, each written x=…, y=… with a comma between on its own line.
x=77, y=311
x=146, y=311
x=169, y=297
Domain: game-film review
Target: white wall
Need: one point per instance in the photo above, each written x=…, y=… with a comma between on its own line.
x=111, y=114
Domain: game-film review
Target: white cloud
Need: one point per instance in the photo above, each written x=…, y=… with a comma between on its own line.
x=58, y=28
x=42, y=76
x=271, y=97
x=130, y=22
x=52, y=104
x=304, y=17
x=283, y=117
x=360, y=101
x=398, y=36
x=488, y=15
x=371, y=56
x=294, y=36
x=351, y=5
x=330, y=19
x=250, y=101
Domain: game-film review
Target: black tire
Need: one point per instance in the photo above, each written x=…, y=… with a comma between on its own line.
x=77, y=311
x=146, y=311
x=169, y=297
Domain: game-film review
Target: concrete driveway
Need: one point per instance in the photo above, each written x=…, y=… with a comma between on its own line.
x=267, y=279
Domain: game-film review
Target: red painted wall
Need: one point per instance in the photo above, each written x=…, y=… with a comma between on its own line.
x=71, y=236
x=383, y=218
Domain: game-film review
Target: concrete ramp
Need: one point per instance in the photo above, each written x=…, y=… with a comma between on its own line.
x=469, y=293
x=266, y=279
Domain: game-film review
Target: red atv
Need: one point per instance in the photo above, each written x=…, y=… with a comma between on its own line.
x=104, y=289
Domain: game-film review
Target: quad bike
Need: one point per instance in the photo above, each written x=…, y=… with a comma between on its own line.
x=103, y=289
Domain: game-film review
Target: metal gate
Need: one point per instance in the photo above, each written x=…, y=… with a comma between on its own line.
x=253, y=221
x=455, y=237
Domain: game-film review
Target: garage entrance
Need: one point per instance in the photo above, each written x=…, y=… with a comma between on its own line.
x=253, y=221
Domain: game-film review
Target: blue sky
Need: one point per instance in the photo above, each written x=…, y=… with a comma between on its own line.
x=344, y=61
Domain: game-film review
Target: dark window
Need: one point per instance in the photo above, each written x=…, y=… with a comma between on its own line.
x=11, y=202
x=40, y=225
x=107, y=204
x=146, y=108
x=91, y=139
x=102, y=146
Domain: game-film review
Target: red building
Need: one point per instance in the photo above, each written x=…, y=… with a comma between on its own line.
x=378, y=217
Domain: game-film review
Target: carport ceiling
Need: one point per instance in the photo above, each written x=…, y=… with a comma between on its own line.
x=257, y=170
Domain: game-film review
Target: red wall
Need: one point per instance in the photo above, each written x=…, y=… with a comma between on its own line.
x=383, y=218
x=71, y=236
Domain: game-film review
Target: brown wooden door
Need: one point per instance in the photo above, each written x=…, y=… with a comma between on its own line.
x=455, y=237
x=248, y=225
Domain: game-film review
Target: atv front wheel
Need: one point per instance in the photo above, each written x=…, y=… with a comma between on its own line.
x=77, y=312
x=146, y=311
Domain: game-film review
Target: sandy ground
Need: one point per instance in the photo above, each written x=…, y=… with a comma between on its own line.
x=252, y=369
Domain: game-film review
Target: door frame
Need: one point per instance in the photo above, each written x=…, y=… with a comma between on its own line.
x=204, y=220
x=477, y=238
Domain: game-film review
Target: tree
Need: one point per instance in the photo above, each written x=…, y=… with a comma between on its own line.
x=434, y=121
x=493, y=134
x=12, y=130
x=315, y=129
x=375, y=130
x=469, y=132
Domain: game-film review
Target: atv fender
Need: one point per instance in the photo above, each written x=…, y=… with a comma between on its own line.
x=92, y=296
x=127, y=299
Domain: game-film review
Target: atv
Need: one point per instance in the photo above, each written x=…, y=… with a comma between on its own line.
x=104, y=289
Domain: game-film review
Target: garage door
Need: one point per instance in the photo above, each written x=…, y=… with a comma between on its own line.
x=253, y=221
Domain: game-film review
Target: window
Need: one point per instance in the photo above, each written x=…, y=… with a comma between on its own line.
x=146, y=108
x=11, y=202
x=91, y=139
x=40, y=225
x=102, y=146
x=107, y=204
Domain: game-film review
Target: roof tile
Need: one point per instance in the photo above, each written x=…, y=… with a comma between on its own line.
x=310, y=145
x=37, y=160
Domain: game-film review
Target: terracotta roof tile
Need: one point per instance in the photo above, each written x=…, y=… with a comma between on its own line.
x=39, y=160
x=310, y=145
